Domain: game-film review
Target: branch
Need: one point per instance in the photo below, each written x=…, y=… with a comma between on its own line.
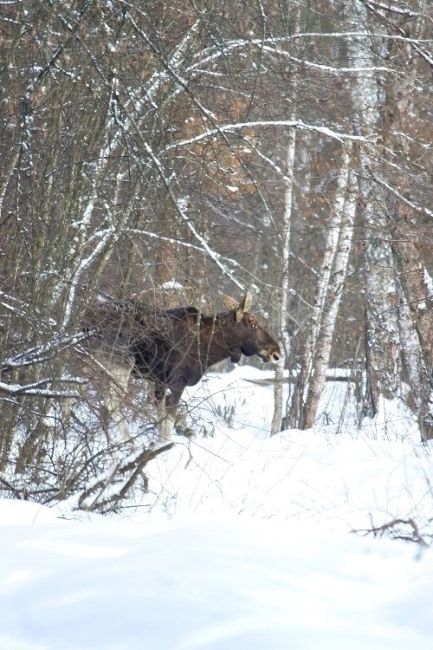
x=328, y=68
x=212, y=54
x=389, y=8
x=38, y=388
x=105, y=235
x=24, y=310
x=392, y=525
x=293, y=124
x=382, y=12
x=167, y=182
x=44, y=352
x=400, y=196
x=135, y=466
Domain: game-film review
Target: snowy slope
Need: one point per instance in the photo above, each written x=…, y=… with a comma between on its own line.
x=337, y=475
x=207, y=583
x=243, y=542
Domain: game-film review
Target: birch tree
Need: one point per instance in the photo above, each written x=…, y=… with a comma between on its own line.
x=381, y=338
x=393, y=178
x=284, y=285
x=407, y=132
x=345, y=208
x=321, y=322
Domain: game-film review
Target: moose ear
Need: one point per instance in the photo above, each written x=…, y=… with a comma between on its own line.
x=230, y=303
x=246, y=302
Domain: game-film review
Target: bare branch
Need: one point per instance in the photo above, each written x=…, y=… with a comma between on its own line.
x=39, y=388
x=292, y=124
x=393, y=527
x=44, y=352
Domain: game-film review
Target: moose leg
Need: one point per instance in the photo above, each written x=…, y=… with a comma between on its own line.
x=166, y=407
x=165, y=420
x=160, y=395
x=117, y=369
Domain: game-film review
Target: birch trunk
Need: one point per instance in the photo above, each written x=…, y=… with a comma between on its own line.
x=283, y=338
x=302, y=392
x=322, y=353
x=418, y=302
x=284, y=287
x=382, y=348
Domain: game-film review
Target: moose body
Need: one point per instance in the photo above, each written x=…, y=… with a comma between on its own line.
x=174, y=347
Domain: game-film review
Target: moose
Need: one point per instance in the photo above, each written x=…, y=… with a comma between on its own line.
x=173, y=348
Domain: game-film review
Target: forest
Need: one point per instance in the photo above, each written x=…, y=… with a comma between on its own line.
x=178, y=151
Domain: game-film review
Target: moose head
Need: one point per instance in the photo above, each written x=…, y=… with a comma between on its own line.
x=250, y=335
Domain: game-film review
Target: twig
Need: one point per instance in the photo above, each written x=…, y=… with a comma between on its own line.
x=392, y=525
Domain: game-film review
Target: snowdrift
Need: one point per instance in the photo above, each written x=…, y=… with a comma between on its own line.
x=244, y=541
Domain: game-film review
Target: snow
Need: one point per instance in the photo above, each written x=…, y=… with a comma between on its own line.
x=243, y=541
x=295, y=124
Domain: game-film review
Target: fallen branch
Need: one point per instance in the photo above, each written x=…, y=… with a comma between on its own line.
x=109, y=480
x=392, y=527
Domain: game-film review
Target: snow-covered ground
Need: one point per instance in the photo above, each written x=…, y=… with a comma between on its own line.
x=243, y=542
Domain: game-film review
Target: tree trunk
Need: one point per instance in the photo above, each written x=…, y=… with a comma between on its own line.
x=299, y=407
x=346, y=202
x=381, y=322
x=417, y=287
x=284, y=284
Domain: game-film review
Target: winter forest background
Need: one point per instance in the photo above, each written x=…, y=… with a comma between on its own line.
x=178, y=150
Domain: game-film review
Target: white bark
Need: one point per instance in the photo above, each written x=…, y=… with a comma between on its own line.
x=382, y=331
x=284, y=288
x=325, y=307
x=322, y=352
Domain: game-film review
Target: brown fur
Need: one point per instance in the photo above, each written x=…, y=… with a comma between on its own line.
x=174, y=347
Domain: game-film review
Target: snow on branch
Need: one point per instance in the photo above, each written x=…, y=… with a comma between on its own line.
x=327, y=68
x=13, y=305
x=167, y=180
x=105, y=237
x=41, y=388
x=293, y=124
x=402, y=198
x=209, y=56
x=179, y=242
x=172, y=65
x=119, y=478
x=42, y=353
x=392, y=8
x=383, y=12
x=216, y=257
x=348, y=34
x=171, y=240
